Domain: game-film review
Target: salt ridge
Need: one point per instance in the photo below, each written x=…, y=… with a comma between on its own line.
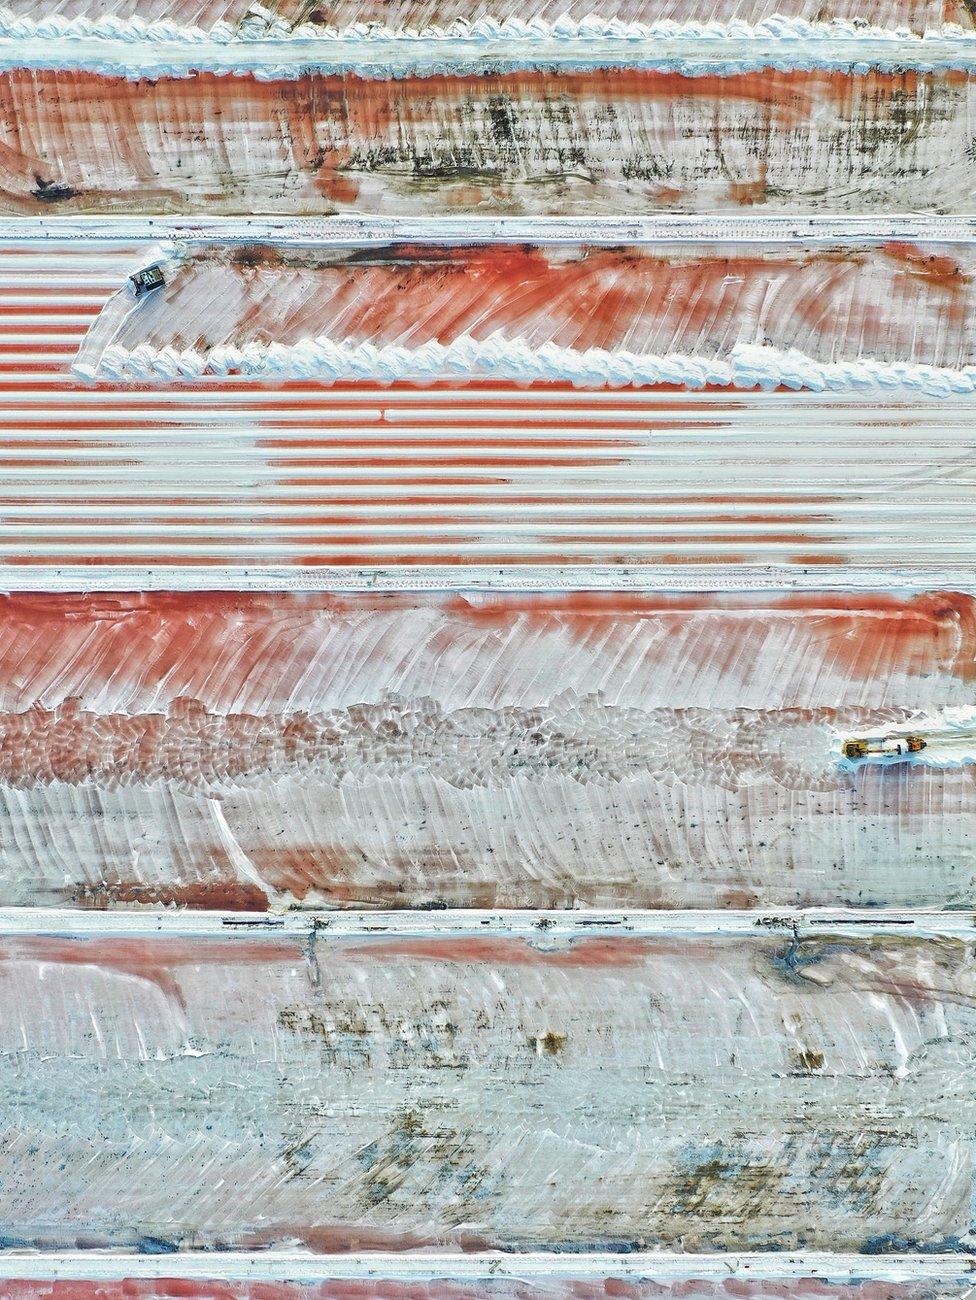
x=274, y=50
x=515, y=360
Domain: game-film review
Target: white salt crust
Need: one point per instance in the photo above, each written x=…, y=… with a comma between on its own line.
x=262, y=25
x=273, y=49
x=516, y=361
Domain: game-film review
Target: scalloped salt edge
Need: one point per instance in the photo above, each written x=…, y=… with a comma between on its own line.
x=301, y=60
x=262, y=25
x=779, y=43
x=515, y=360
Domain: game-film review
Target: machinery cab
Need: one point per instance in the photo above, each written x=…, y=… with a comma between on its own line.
x=144, y=281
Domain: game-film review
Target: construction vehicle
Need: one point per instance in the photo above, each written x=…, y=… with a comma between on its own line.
x=149, y=278
x=883, y=746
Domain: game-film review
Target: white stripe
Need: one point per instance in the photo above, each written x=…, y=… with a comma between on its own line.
x=275, y=515
x=490, y=534
x=542, y=926
x=469, y=547
x=255, y=399
x=490, y=577
x=344, y=231
x=275, y=1266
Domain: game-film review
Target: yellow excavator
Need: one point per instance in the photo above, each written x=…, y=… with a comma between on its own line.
x=883, y=746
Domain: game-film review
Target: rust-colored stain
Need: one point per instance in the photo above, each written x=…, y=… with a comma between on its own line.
x=536, y=880
x=322, y=144
x=507, y=952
